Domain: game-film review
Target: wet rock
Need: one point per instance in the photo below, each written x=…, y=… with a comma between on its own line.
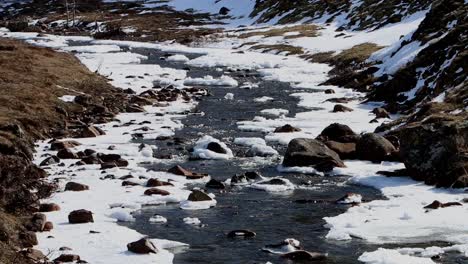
x=241, y=233
x=302, y=255
x=380, y=113
x=67, y=258
x=92, y=131
x=198, y=196
x=303, y=152
x=178, y=170
x=156, y=191
x=216, y=147
x=344, y=150
x=142, y=246
x=49, y=207
x=215, y=184
x=76, y=187
x=67, y=154
x=287, y=129
x=339, y=133
x=341, y=108
x=157, y=183
x=58, y=145
x=50, y=161
x=375, y=148
x=80, y=217
x=435, y=152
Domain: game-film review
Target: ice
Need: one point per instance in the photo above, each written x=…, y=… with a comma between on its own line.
x=67, y=98
x=122, y=216
x=210, y=81
x=200, y=150
x=389, y=256
x=192, y=221
x=229, y=96
x=200, y=205
x=275, y=112
x=158, y=219
x=178, y=58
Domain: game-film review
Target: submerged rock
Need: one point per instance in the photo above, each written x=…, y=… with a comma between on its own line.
x=304, y=152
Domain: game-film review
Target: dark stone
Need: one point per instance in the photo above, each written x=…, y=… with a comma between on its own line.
x=241, y=233
x=156, y=191
x=310, y=152
x=67, y=258
x=48, y=226
x=197, y=196
x=287, y=129
x=129, y=183
x=67, y=154
x=215, y=184
x=216, y=147
x=339, y=133
x=380, y=113
x=157, y=183
x=28, y=239
x=58, y=145
x=80, y=217
x=178, y=170
x=344, y=150
x=302, y=255
x=49, y=207
x=341, y=108
x=142, y=246
x=375, y=148
x=76, y=187
x=50, y=161
x=92, y=131
x=224, y=11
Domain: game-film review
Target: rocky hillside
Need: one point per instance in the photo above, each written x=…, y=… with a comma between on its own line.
x=31, y=81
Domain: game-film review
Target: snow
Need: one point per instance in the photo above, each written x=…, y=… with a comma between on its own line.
x=275, y=112
x=389, y=256
x=263, y=99
x=178, y=58
x=229, y=96
x=67, y=98
x=158, y=219
x=192, y=221
x=274, y=188
x=201, y=151
x=210, y=81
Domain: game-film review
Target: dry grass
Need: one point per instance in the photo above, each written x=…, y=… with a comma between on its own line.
x=280, y=48
x=308, y=30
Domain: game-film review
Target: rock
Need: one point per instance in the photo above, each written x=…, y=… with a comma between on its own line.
x=33, y=254
x=67, y=258
x=178, y=170
x=113, y=164
x=275, y=181
x=224, y=11
x=129, y=183
x=28, y=239
x=344, y=150
x=76, y=187
x=329, y=91
x=215, y=184
x=241, y=233
x=67, y=154
x=339, y=133
x=198, y=196
x=216, y=147
x=58, y=145
x=435, y=152
x=302, y=255
x=375, y=148
x=380, y=113
x=142, y=246
x=287, y=129
x=436, y=205
x=84, y=100
x=91, y=159
x=341, y=108
x=157, y=183
x=92, y=131
x=80, y=217
x=109, y=157
x=134, y=109
x=48, y=226
x=156, y=191
x=49, y=207
x=37, y=222
x=310, y=152
x=50, y=161
x=65, y=249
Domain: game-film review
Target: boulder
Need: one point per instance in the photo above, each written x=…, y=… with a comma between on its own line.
x=310, y=152
x=329, y=91
x=198, y=196
x=33, y=254
x=142, y=246
x=67, y=154
x=339, y=133
x=50, y=161
x=92, y=131
x=287, y=129
x=80, y=217
x=341, y=108
x=129, y=183
x=48, y=226
x=76, y=187
x=49, y=207
x=58, y=145
x=156, y=191
x=224, y=11
x=436, y=152
x=178, y=170
x=216, y=147
x=215, y=184
x=380, y=112
x=28, y=239
x=344, y=150
x=37, y=222
x=67, y=258
x=375, y=148
x=157, y=183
